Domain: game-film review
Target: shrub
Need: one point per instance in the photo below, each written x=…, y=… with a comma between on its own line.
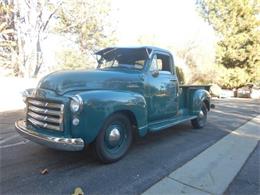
x=233, y=77
x=180, y=75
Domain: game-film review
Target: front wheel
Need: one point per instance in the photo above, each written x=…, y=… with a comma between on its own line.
x=114, y=139
x=201, y=120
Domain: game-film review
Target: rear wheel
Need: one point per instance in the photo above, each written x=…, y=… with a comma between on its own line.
x=114, y=139
x=201, y=120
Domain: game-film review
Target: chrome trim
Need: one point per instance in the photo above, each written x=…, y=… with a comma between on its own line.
x=44, y=118
x=114, y=136
x=61, y=116
x=44, y=111
x=44, y=125
x=44, y=104
x=78, y=99
x=60, y=143
x=41, y=113
x=26, y=93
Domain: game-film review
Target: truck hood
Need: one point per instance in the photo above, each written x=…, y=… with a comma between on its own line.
x=66, y=81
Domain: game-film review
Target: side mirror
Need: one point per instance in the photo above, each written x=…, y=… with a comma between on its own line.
x=155, y=73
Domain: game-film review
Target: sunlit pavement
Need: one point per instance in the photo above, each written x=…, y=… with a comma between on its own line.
x=150, y=159
x=214, y=169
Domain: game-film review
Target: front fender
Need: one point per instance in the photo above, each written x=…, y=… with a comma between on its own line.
x=99, y=104
x=200, y=96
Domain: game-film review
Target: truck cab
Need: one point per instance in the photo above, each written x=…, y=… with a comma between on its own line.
x=133, y=91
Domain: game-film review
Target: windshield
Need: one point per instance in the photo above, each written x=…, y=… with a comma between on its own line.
x=130, y=58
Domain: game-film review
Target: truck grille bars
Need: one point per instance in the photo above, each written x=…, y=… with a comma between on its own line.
x=45, y=114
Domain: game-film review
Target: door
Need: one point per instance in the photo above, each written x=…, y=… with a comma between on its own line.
x=162, y=88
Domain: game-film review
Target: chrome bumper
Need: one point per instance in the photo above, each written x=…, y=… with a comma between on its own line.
x=60, y=143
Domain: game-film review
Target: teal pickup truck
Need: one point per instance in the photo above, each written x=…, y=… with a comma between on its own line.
x=133, y=91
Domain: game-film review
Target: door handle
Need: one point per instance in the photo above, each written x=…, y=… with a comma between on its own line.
x=173, y=80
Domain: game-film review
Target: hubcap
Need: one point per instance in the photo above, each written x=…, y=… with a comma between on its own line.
x=114, y=137
x=202, y=118
x=201, y=114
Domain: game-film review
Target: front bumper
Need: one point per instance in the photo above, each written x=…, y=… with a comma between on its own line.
x=60, y=143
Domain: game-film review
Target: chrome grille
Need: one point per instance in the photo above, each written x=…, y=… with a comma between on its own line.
x=45, y=114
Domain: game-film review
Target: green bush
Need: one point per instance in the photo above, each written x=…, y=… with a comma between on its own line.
x=233, y=78
x=226, y=78
x=180, y=75
x=199, y=78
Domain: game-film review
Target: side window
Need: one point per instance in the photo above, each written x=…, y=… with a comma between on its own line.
x=165, y=62
x=153, y=66
x=161, y=62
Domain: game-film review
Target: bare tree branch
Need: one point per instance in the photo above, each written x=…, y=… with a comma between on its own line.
x=27, y=3
x=50, y=16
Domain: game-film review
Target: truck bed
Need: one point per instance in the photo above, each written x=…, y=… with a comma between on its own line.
x=186, y=94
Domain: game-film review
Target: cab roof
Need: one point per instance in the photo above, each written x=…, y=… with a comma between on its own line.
x=148, y=48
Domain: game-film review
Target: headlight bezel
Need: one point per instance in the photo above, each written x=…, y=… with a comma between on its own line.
x=26, y=93
x=78, y=104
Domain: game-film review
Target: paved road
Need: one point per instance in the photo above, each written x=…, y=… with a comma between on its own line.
x=148, y=161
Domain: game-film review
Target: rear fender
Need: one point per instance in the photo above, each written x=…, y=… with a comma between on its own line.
x=200, y=96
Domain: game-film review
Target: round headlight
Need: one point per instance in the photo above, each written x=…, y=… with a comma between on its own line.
x=76, y=104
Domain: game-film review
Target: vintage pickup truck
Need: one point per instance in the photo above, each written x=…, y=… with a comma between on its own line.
x=133, y=91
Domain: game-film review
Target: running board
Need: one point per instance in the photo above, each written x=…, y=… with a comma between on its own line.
x=156, y=126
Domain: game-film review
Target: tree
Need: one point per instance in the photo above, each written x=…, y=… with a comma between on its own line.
x=194, y=62
x=31, y=20
x=70, y=59
x=8, y=44
x=86, y=22
x=186, y=52
x=26, y=24
x=237, y=25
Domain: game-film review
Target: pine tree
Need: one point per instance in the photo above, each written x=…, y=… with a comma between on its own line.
x=237, y=24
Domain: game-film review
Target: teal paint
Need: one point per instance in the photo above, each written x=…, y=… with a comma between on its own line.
x=155, y=102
